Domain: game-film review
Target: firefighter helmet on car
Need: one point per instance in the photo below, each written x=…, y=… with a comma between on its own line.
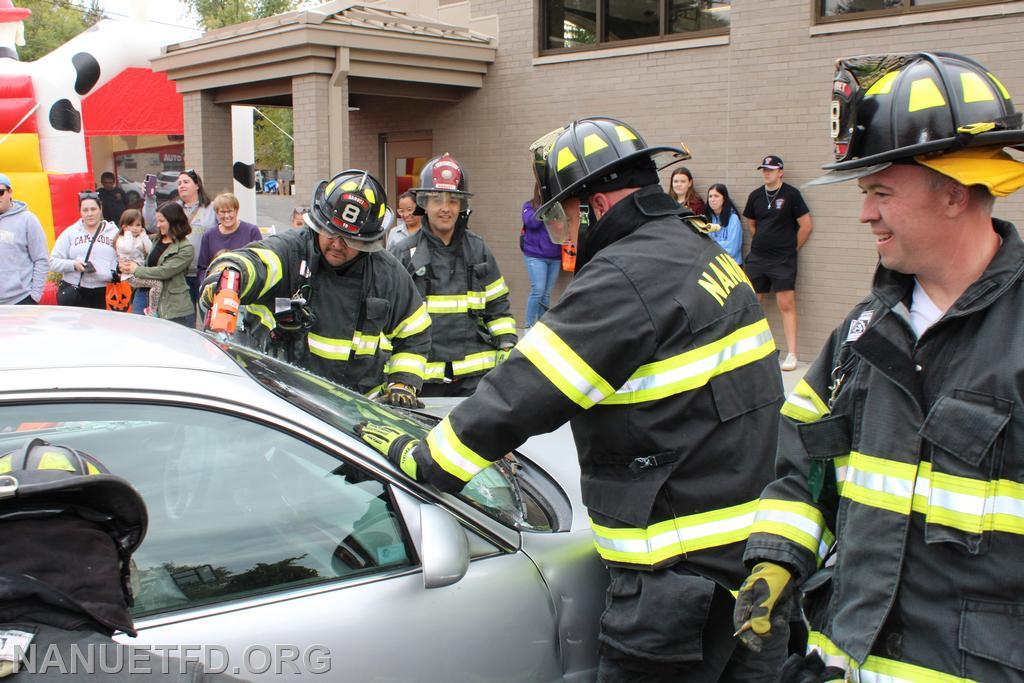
x=900, y=106
x=40, y=478
x=588, y=153
x=351, y=205
x=442, y=175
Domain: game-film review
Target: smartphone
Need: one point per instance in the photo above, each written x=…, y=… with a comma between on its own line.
x=90, y=267
x=149, y=185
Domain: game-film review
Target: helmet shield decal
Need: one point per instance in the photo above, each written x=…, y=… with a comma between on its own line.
x=352, y=204
x=446, y=174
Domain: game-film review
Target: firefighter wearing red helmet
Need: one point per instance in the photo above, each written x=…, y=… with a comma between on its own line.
x=660, y=358
x=458, y=276
x=329, y=298
x=899, y=504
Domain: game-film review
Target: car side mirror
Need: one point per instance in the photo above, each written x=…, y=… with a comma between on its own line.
x=444, y=548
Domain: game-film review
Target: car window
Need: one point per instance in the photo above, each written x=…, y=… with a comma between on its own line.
x=495, y=490
x=236, y=508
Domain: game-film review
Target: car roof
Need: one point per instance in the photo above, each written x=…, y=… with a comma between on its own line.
x=67, y=337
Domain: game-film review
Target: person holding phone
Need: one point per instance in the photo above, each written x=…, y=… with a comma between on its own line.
x=84, y=254
x=201, y=216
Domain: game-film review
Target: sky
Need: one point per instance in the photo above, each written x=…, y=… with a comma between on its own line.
x=170, y=12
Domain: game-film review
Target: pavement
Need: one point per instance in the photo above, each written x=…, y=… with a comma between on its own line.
x=275, y=210
x=791, y=378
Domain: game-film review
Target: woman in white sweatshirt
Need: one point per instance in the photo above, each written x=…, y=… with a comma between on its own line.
x=69, y=252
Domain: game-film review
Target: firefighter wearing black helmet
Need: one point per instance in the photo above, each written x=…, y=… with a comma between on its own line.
x=457, y=275
x=659, y=356
x=900, y=455
x=330, y=297
x=69, y=529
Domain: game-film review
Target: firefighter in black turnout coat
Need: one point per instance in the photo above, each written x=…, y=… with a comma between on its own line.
x=661, y=359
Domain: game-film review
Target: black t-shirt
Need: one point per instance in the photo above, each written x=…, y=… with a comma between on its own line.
x=114, y=204
x=154, y=256
x=776, y=214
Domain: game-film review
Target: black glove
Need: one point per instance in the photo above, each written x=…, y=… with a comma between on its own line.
x=400, y=395
x=809, y=669
x=396, y=445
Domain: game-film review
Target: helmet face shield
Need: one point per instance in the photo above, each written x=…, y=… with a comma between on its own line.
x=438, y=200
x=556, y=222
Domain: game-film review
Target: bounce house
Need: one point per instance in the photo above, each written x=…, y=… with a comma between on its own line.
x=43, y=147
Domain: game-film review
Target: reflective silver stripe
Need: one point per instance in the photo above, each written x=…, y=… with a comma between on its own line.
x=495, y=289
x=673, y=537
x=694, y=368
x=337, y=349
x=895, y=486
x=639, y=546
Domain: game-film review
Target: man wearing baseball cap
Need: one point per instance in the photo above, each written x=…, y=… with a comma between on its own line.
x=780, y=223
x=24, y=257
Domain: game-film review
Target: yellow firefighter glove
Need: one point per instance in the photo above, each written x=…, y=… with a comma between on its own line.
x=393, y=443
x=763, y=602
x=400, y=395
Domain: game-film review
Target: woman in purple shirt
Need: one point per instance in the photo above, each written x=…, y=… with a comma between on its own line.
x=543, y=260
x=230, y=234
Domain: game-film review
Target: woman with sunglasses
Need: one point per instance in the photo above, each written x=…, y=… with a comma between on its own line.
x=84, y=254
x=199, y=211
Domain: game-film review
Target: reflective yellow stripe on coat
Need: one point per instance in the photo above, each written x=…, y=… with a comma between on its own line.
x=693, y=369
x=798, y=522
x=274, y=270
x=804, y=404
x=451, y=455
x=327, y=347
x=563, y=367
x=673, y=537
x=411, y=363
x=963, y=503
x=414, y=324
x=500, y=326
x=876, y=669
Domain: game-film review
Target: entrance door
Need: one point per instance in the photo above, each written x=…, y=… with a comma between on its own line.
x=404, y=155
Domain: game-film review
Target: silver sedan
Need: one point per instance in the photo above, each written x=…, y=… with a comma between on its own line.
x=281, y=545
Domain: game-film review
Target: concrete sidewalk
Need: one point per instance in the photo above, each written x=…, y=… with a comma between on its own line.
x=792, y=378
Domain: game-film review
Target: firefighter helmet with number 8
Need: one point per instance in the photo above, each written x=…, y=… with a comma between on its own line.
x=351, y=205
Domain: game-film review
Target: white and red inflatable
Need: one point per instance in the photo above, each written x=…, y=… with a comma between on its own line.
x=42, y=142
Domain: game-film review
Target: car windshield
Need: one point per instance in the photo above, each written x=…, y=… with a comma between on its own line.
x=495, y=491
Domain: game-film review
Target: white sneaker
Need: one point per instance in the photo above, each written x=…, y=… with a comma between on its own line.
x=789, y=363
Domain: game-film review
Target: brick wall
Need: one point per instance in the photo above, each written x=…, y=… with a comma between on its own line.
x=208, y=144
x=312, y=153
x=767, y=91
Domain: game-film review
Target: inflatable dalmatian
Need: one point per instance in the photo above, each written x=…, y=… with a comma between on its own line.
x=42, y=144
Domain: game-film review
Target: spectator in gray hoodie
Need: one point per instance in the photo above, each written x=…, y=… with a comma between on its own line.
x=24, y=257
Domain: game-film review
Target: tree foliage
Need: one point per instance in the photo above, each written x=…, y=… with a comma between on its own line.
x=273, y=148
x=53, y=23
x=217, y=13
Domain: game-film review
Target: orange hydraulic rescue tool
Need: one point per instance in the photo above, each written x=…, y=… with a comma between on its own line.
x=223, y=316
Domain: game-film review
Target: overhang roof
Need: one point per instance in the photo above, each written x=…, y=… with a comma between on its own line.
x=373, y=42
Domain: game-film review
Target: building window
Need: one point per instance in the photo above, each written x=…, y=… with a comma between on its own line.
x=837, y=10
x=584, y=24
